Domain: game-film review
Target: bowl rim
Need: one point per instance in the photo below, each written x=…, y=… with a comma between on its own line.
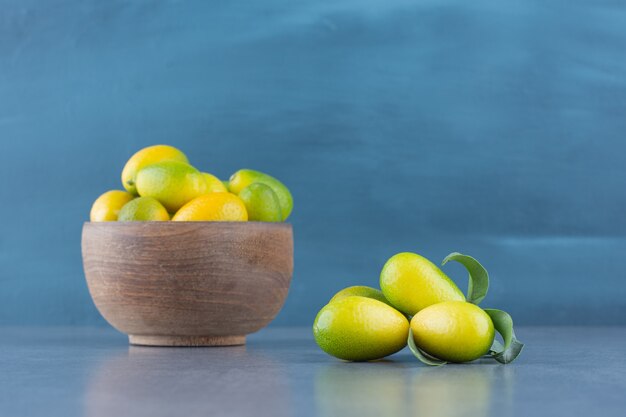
x=197, y=223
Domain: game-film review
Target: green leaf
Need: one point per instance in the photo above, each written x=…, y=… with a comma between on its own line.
x=503, y=324
x=478, y=276
x=421, y=355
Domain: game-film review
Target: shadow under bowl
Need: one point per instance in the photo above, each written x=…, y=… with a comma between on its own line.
x=188, y=283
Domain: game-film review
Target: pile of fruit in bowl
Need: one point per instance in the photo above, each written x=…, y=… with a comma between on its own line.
x=418, y=305
x=161, y=185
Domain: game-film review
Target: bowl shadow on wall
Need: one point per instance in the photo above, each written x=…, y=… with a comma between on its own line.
x=188, y=283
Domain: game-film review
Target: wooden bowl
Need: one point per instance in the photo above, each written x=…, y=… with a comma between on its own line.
x=188, y=283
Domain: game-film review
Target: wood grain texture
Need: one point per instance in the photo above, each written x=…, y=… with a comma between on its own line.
x=188, y=283
x=144, y=340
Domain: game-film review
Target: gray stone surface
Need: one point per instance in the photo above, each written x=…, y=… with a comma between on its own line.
x=69, y=372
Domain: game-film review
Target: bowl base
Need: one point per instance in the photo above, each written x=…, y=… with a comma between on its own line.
x=157, y=340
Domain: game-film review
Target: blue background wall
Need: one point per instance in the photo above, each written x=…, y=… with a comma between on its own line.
x=491, y=128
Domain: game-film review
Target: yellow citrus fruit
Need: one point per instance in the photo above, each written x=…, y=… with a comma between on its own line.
x=362, y=291
x=218, y=207
x=148, y=156
x=143, y=209
x=411, y=283
x=226, y=185
x=360, y=329
x=244, y=177
x=108, y=205
x=214, y=185
x=454, y=331
x=261, y=203
x=172, y=183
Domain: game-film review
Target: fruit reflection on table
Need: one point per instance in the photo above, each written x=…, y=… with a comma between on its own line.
x=395, y=388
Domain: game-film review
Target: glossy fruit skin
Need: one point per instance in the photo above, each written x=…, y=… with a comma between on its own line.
x=361, y=291
x=214, y=185
x=107, y=207
x=172, y=183
x=454, y=331
x=411, y=283
x=148, y=156
x=244, y=177
x=224, y=207
x=145, y=209
x=360, y=329
x=261, y=203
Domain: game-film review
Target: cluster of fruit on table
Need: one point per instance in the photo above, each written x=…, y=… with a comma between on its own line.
x=421, y=306
x=161, y=185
